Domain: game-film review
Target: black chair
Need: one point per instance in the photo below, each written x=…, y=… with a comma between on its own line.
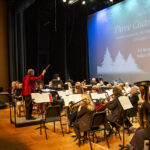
x=99, y=118
x=52, y=114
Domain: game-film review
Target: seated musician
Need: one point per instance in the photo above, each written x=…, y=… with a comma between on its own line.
x=100, y=78
x=84, y=115
x=109, y=85
x=12, y=88
x=115, y=84
x=95, y=89
x=83, y=83
x=40, y=87
x=60, y=81
x=142, y=134
x=78, y=89
x=121, y=87
x=59, y=86
x=116, y=116
x=57, y=100
x=114, y=107
x=18, y=97
x=55, y=83
x=50, y=84
x=93, y=81
x=69, y=85
x=134, y=98
x=127, y=88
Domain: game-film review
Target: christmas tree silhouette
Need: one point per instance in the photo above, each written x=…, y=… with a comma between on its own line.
x=119, y=65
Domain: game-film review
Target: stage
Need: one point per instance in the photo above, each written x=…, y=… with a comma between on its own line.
x=27, y=138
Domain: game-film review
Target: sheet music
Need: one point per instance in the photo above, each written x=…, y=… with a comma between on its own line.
x=75, y=97
x=66, y=100
x=125, y=102
x=98, y=96
x=40, y=98
x=61, y=93
x=102, y=95
x=110, y=92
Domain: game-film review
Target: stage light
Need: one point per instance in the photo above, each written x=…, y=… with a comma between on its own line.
x=83, y=2
x=72, y=2
x=64, y=1
x=111, y=1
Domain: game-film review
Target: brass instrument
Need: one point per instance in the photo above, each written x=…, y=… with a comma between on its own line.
x=144, y=90
x=74, y=106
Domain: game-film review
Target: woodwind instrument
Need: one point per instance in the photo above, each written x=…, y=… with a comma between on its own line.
x=144, y=90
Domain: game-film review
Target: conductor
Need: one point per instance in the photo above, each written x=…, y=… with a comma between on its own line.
x=29, y=86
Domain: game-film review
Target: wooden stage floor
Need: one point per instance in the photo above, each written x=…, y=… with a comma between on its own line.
x=27, y=138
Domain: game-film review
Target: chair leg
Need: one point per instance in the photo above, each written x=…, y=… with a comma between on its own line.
x=93, y=137
x=90, y=141
x=54, y=126
x=41, y=128
x=106, y=139
x=45, y=131
x=119, y=134
x=61, y=128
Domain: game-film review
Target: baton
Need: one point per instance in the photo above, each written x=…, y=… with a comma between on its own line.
x=47, y=66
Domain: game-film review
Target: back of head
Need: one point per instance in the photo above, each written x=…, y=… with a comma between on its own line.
x=117, y=91
x=134, y=90
x=30, y=72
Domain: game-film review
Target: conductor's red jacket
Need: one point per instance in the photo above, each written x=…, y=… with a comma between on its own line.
x=29, y=84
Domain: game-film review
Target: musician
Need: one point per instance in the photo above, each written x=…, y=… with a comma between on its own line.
x=12, y=88
x=116, y=116
x=29, y=86
x=18, y=97
x=78, y=88
x=93, y=81
x=100, y=78
x=115, y=84
x=57, y=100
x=40, y=88
x=109, y=85
x=95, y=89
x=114, y=106
x=138, y=139
x=121, y=87
x=134, y=98
x=84, y=115
x=127, y=88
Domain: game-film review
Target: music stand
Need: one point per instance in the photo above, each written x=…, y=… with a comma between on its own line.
x=41, y=98
x=125, y=104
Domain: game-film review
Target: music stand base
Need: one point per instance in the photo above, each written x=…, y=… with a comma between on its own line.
x=122, y=147
x=41, y=127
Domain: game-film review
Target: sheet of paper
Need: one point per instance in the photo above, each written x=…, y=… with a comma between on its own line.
x=75, y=97
x=40, y=98
x=98, y=96
x=125, y=102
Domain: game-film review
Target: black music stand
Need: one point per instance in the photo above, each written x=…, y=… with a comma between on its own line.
x=125, y=104
x=41, y=98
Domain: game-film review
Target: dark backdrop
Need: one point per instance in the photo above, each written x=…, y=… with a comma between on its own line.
x=48, y=32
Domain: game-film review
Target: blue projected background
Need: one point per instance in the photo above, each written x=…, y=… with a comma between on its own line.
x=119, y=42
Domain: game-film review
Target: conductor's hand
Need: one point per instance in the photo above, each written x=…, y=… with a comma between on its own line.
x=43, y=72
